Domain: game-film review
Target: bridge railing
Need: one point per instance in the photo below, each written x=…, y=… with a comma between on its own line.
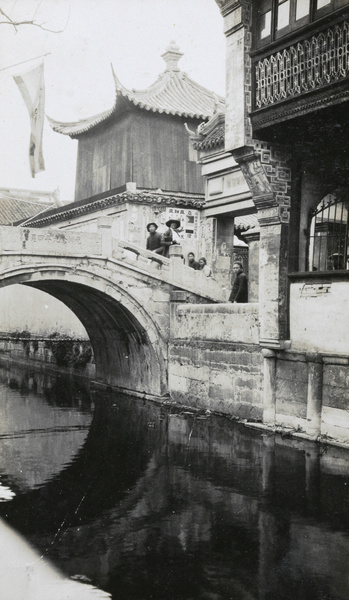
x=144, y=258
x=172, y=269
x=49, y=241
x=58, y=242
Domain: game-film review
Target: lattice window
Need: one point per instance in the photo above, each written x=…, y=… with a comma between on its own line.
x=310, y=64
x=328, y=234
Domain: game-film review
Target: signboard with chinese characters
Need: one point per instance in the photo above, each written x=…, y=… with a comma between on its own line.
x=189, y=218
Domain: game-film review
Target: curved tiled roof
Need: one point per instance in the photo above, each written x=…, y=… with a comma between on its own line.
x=210, y=134
x=173, y=93
x=212, y=140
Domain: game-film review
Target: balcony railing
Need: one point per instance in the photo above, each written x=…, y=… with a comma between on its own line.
x=310, y=64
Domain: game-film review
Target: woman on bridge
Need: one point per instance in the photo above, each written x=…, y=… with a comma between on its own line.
x=203, y=266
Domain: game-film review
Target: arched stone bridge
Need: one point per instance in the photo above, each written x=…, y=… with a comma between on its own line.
x=120, y=292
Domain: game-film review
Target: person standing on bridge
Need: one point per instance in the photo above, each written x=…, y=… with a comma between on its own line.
x=170, y=236
x=239, y=291
x=192, y=263
x=203, y=266
x=154, y=239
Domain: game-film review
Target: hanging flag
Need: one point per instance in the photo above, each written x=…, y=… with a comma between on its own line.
x=32, y=87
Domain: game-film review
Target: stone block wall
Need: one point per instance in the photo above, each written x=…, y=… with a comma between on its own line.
x=214, y=359
x=291, y=391
x=223, y=378
x=294, y=406
x=335, y=398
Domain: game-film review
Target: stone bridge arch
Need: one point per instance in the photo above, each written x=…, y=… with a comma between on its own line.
x=129, y=345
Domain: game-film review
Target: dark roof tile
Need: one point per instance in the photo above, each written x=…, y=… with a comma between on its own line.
x=14, y=208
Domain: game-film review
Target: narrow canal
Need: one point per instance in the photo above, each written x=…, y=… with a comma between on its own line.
x=140, y=501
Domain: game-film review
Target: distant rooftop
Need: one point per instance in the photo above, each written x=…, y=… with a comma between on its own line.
x=173, y=93
x=19, y=205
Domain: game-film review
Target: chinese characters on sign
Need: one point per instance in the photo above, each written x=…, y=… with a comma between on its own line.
x=189, y=219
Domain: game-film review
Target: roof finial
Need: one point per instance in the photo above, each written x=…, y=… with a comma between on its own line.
x=171, y=56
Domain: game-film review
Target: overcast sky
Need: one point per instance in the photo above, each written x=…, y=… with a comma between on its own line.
x=130, y=34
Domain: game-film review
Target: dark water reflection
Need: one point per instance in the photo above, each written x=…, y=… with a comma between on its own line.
x=149, y=504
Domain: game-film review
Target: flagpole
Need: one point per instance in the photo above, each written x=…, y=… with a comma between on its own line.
x=24, y=61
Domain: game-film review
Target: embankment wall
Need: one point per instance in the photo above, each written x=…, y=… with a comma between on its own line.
x=215, y=361
x=306, y=394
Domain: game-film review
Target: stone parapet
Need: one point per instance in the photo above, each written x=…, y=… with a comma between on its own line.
x=49, y=241
x=220, y=322
x=38, y=245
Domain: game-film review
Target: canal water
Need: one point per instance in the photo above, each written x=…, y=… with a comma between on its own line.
x=138, y=501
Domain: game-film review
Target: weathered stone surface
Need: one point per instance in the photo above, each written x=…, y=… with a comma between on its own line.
x=290, y=421
x=336, y=376
x=179, y=383
x=219, y=322
x=335, y=423
x=288, y=390
x=292, y=371
x=336, y=387
x=291, y=408
x=58, y=242
x=223, y=380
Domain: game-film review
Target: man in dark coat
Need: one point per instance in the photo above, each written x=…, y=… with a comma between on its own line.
x=239, y=291
x=192, y=263
x=170, y=236
x=154, y=239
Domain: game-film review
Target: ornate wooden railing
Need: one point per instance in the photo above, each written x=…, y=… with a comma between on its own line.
x=312, y=63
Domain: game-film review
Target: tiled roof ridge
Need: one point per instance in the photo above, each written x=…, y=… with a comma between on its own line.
x=173, y=92
x=32, y=202
x=217, y=119
x=209, y=134
x=141, y=97
x=81, y=126
x=210, y=142
x=169, y=198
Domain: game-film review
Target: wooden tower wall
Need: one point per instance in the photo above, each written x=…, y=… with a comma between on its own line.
x=150, y=149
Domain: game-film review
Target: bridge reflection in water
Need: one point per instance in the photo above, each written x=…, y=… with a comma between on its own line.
x=146, y=502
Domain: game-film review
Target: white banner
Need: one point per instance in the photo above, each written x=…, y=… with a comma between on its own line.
x=32, y=87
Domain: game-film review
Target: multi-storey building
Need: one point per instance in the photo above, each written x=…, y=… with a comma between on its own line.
x=286, y=128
